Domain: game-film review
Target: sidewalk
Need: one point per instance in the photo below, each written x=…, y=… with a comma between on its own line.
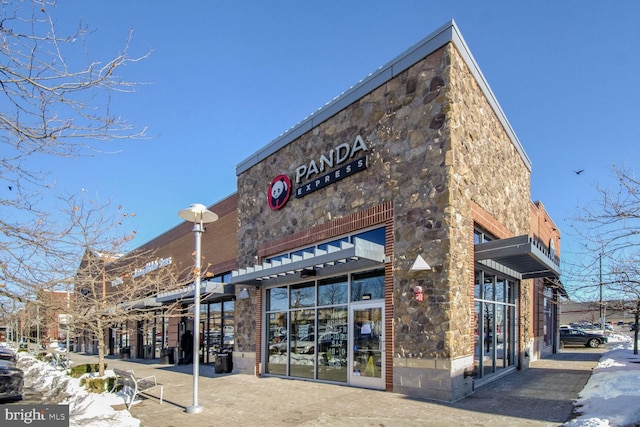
x=539, y=396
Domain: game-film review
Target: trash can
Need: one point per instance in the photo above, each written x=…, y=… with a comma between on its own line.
x=164, y=356
x=224, y=363
x=125, y=353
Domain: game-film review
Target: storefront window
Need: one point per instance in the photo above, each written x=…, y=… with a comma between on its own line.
x=332, y=344
x=500, y=284
x=375, y=236
x=302, y=343
x=302, y=295
x=277, y=299
x=488, y=292
x=494, y=323
x=367, y=286
x=219, y=329
x=333, y=291
x=308, y=337
x=547, y=300
x=277, y=344
x=477, y=288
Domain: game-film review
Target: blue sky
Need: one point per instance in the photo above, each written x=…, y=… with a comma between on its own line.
x=226, y=78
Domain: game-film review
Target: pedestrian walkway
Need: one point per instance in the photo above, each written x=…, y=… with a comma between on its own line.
x=539, y=396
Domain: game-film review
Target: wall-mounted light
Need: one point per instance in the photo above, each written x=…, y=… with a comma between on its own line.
x=307, y=272
x=244, y=294
x=420, y=264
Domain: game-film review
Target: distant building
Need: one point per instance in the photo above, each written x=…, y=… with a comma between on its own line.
x=589, y=312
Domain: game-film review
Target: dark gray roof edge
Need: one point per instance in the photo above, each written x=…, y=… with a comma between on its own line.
x=447, y=33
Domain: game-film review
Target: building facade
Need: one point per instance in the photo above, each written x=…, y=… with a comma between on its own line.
x=387, y=241
x=152, y=291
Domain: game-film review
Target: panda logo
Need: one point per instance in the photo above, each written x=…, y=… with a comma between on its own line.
x=279, y=192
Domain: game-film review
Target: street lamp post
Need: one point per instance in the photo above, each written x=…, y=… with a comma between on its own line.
x=68, y=329
x=199, y=215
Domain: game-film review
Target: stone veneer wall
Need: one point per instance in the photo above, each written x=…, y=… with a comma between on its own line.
x=487, y=173
x=434, y=146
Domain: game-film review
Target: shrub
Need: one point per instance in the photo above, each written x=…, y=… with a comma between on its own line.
x=97, y=385
x=78, y=371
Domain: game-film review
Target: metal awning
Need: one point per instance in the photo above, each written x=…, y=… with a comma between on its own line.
x=555, y=283
x=186, y=293
x=139, y=303
x=521, y=254
x=320, y=262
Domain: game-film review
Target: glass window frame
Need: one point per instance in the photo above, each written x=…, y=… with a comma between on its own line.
x=275, y=352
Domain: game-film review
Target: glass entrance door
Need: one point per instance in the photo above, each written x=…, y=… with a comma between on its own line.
x=366, y=364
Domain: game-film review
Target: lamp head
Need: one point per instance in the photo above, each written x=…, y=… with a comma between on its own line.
x=198, y=213
x=244, y=294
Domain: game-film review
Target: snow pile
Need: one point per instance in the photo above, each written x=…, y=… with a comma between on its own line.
x=85, y=409
x=612, y=393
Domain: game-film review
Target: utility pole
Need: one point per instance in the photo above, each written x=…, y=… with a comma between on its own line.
x=603, y=311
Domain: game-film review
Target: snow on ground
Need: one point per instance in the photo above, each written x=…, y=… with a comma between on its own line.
x=85, y=409
x=612, y=394
x=609, y=399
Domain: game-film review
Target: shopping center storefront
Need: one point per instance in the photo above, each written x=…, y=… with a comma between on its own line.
x=151, y=326
x=357, y=236
x=387, y=241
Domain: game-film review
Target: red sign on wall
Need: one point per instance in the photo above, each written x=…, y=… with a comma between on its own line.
x=279, y=192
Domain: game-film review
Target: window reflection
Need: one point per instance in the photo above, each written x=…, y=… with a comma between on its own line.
x=219, y=330
x=332, y=344
x=277, y=299
x=488, y=287
x=494, y=324
x=302, y=343
x=489, y=338
x=277, y=344
x=302, y=295
x=333, y=291
x=367, y=286
x=500, y=283
x=308, y=328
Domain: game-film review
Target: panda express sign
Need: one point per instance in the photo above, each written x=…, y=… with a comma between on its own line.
x=344, y=156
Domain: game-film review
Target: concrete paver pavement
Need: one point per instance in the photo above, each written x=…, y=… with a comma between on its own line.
x=539, y=396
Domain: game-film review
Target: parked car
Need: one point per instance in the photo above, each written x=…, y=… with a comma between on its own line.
x=304, y=345
x=576, y=337
x=11, y=381
x=7, y=353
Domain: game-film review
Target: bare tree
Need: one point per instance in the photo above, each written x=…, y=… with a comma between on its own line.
x=109, y=287
x=55, y=101
x=627, y=282
x=611, y=231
